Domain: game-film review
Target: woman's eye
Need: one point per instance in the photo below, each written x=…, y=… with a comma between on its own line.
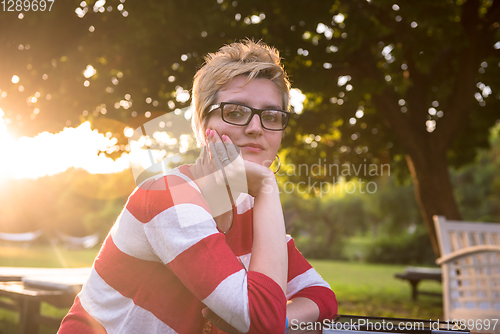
x=234, y=114
x=269, y=117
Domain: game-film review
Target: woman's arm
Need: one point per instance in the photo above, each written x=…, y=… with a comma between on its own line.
x=301, y=311
x=269, y=251
x=311, y=298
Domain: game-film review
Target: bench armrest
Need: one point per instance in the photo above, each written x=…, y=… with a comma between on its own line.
x=468, y=251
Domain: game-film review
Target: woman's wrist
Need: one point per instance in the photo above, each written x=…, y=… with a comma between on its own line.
x=268, y=186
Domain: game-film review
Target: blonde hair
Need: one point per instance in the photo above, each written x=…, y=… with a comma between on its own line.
x=253, y=59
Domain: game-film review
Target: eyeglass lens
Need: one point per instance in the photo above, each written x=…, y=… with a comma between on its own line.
x=239, y=115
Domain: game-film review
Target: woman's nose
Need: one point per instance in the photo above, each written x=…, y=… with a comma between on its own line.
x=254, y=126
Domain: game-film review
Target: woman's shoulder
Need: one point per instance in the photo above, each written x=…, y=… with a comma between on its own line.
x=162, y=191
x=159, y=180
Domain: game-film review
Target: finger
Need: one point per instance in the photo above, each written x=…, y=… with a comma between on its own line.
x=201, y=163
x=235, y=172
x=202, y=154
x=220, y=147
x=233, y=151
x=219, y=157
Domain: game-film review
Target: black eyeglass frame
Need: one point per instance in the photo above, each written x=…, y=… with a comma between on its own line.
x=254, y=112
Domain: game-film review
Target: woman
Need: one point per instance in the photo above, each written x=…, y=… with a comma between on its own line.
x=207, y=241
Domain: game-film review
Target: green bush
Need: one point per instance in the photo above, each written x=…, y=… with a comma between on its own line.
x=404, y=248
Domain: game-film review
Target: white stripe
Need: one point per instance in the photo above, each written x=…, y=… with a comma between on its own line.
x=245, y=260
x=116, y=313
x=230, y=301
x=128, y=235
x=305, y=280
x=244, y=202
x=178, y=228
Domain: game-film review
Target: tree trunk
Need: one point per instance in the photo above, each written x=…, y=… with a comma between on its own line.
x=433, y=190
x=426, y=160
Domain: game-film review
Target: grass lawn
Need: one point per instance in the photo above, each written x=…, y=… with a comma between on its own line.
x=371, y=289
x=361, y=289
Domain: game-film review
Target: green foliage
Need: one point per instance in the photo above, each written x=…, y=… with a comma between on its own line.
x=388, y=222
x=75, y=202
x=393, y=208
x=477, y=185
x=322, y=222
x=402, y=248
x=320, y=225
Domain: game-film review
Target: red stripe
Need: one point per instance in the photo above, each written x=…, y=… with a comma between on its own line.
x=267, y=304
x=298, y=264
x=136, y=203
x=155, y=196
x=203, y=266
x=240, y=236
x=151, y=286
x=78, y=321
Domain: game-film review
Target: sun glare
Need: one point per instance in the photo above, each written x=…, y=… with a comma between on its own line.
x=49, y=154
x=6, y=143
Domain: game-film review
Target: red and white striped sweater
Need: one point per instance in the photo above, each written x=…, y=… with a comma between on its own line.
x=164, y=261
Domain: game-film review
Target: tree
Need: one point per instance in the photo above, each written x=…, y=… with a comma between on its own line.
x=413, y=82
x=423, y=79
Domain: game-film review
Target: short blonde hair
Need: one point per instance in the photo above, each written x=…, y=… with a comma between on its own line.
x=253, y=59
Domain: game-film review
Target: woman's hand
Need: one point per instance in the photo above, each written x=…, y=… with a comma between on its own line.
x=240, y=175
x=223, y=163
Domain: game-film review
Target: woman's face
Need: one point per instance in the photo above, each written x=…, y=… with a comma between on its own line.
x=257, y=144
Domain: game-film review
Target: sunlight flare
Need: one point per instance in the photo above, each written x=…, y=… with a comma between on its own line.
x=49, y=154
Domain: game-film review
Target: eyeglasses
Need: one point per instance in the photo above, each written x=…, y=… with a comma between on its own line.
x=239, y=114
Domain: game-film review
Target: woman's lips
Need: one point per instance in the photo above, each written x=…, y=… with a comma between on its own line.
x=252, y=148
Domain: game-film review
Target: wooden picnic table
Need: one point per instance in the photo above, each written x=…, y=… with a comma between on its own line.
x=27, y=288
x=416, y=274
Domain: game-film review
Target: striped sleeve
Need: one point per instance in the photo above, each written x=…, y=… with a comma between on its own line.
x=182, y=233
x=304, y=281
x=78, y=321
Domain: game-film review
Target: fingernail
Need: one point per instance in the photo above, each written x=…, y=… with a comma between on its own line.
x=224, y=137
x=207, y=132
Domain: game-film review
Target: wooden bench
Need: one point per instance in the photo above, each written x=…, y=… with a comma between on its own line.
x=470, y=259
x=26, y=288
x=416, y=274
